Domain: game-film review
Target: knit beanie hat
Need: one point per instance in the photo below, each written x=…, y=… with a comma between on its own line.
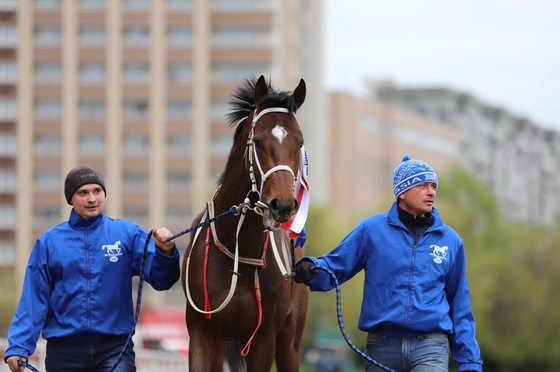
x=80, y=176
x=410, y=173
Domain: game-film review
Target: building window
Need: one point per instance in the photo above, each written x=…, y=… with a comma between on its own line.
x=241, y=5
x=137, y=5
x=47, y=215
x=136, y=181
x=136, y=73
x=48, y=72
x=178, y=216
x=47, y=180
x=179, y=4
x=239, y=36
x=136, y=109
x=48, y=145
x=179, y=180
x=92, y=36
x=8, y=72
x=8, y=109
x=8, y=181
x=221, y=145
x=92, y=109
x=136, y=146
x=8, y=145
x=8, y=4
x=180, y=145
x=48, y=108
x=236, y=72
x=92, y=145
x=136, y=36
x=48, y=35
x=179, y=73
x=179, y=109
x=92, y=72
x=179, y=36
x=8, y=36
x=89, y=5
x=7, y=217
x=137, y=214
x=220, y=109
x=47, y=4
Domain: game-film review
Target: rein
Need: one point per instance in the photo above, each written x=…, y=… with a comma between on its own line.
x=341, y=322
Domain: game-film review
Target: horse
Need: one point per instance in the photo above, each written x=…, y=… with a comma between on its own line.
x=237, y=270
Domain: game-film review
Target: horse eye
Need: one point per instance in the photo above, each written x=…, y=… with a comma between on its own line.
x=257, y=144
x=301, y=145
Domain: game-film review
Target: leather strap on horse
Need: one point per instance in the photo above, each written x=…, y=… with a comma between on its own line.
x=256, y=285
x=207, y=306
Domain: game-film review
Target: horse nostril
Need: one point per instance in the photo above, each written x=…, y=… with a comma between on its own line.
x=274, y=205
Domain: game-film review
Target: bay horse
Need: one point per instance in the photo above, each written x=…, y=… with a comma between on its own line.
x=237, y=271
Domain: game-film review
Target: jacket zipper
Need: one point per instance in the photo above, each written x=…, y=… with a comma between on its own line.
x=88, y=280
x=409, y=295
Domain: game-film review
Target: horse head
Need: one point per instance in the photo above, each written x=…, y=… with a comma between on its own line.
x=268, y=138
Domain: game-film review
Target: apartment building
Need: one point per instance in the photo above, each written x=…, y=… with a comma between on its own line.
x=369, y=139
x=138, y=89
x=516, y=157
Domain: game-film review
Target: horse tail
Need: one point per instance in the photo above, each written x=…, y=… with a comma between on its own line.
x=235, y=362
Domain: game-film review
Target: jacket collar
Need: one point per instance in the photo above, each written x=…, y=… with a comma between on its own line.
x=77, y=222
x=393, y=218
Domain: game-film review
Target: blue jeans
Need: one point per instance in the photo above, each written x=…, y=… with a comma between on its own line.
x=85, y=354
x=426, y=353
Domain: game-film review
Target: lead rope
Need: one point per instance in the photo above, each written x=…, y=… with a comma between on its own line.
x=341, y=322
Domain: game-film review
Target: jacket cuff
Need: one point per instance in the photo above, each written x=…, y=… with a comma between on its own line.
x=17, y=351
x=465, y=367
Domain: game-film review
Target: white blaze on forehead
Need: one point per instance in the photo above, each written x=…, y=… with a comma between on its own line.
x=279, y=132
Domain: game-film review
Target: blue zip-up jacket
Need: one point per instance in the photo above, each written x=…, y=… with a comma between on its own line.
x=78, y=281
x=409, y=289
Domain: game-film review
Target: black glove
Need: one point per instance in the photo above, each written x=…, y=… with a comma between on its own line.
x=303, y=272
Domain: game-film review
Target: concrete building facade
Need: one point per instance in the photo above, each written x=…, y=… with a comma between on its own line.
x=369, y=139
x=516, y=157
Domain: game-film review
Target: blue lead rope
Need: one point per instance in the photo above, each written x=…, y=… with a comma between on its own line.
x=27, y=365
x=341, y=322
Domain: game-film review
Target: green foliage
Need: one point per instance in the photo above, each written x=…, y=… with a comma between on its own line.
x=9, y=299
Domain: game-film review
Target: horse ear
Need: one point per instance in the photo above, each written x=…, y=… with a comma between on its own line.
x=261, y=88
x=299, y=93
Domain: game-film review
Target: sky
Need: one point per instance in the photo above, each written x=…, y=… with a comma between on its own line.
x=506, y=53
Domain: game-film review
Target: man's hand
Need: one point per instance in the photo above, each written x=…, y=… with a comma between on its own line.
x=13, y=363
x=303, y=272
x=160, y=239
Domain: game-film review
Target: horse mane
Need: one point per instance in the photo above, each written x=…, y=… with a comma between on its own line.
x=243, y=102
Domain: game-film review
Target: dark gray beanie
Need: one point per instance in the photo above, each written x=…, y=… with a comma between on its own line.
x=80, y=176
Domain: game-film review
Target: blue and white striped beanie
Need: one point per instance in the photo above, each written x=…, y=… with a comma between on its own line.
x=410, y=173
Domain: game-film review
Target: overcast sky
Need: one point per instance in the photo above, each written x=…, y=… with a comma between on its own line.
x=504, y=52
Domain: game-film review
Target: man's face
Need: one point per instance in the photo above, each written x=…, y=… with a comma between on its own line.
x=88, y=200
x=420, y=199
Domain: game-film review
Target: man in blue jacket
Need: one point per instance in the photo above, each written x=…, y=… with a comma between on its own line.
x=416, y=304
x=77, y=289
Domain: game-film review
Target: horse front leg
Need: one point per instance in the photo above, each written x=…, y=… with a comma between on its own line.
x=261, y=354
x=206, y=353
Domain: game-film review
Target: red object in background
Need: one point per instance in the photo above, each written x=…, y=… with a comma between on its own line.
x=164, y=329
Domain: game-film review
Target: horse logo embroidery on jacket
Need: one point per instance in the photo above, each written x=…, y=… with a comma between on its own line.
x=439, y=253
x=113, y=251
